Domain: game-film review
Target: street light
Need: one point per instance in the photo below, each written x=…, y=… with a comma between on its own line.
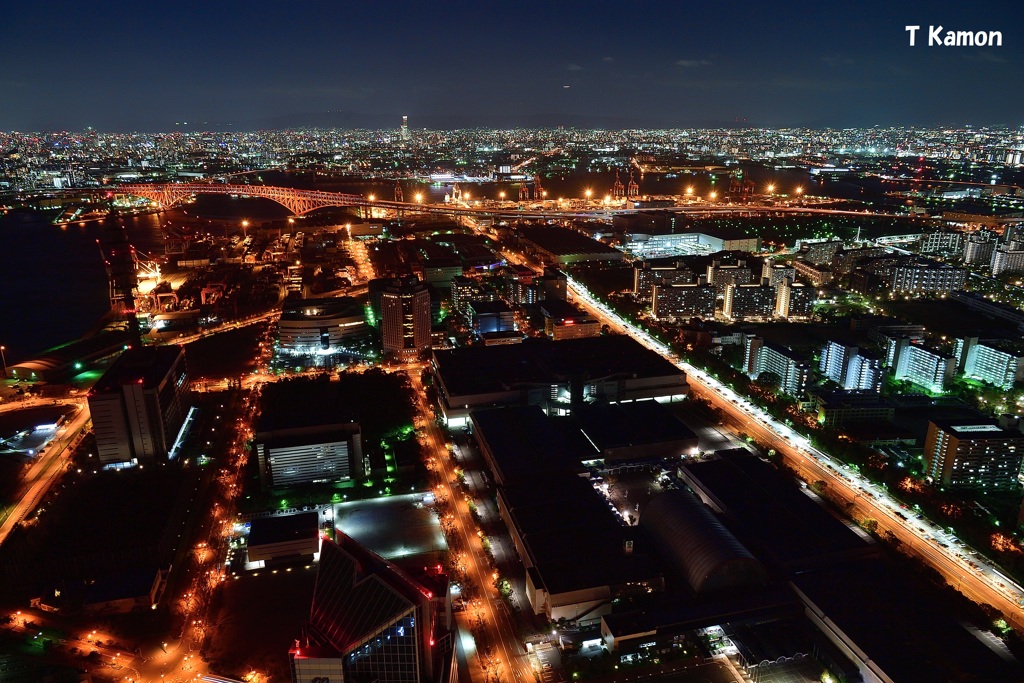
x=371, y=197
x=419, y=197
x=771, y=188
x=501, y=195
x=689, y=191
x=713, y=195
x=799, y=190
x=588, y=192
x=3, y=358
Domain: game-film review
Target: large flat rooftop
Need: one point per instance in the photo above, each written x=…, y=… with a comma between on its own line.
x=146, y=365
x=486, y=369
x=901, y=624
x=631, y=424
x=565, y=242
x=398, y=528
x=771, y=514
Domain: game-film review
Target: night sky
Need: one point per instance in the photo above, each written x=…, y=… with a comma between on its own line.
x=152, y=66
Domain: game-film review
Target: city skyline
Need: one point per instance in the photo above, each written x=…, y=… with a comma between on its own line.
x=232, y=68
x=480, y=343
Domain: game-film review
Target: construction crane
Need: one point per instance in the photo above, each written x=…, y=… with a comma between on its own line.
x=121, y=264
x=633, y=189
x=617, y=188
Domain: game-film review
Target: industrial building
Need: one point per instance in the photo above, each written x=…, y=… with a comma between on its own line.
x=561, y=246
x=973, y=454
x=639, y=431
x=309, y=326
x=577, y=555
x=562, y=320
x=555, y=376
x=304, y=437
x=704, y=552
x=490, y=316
x=752, y=556
x=284, y=538
x=370, y=621
x=139, y=404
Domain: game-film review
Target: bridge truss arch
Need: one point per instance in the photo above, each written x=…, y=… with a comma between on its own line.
x=298, y=202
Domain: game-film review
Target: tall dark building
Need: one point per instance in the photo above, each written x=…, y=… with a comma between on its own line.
x=139, y=405
x=405, y=317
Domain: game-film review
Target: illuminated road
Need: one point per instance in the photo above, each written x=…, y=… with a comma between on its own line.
x=982, y=582
x=511, y=655
x=43, y=473
x=225, y=327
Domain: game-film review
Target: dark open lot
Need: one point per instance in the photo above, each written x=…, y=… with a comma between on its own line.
x=259, y=618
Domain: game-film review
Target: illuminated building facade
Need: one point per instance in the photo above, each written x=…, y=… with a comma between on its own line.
x=405, y=317
x=972, y=453
x=370, y=621
x=309, y=326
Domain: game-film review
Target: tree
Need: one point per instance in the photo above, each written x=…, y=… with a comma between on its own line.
x=770, y=381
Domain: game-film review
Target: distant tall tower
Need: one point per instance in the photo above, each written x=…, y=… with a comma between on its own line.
x=405, y=128
x=405, y=317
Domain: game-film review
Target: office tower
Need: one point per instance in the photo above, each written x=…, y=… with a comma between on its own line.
x=139, y=405
x=405, y=317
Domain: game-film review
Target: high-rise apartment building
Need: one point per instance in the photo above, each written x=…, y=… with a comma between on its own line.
x=972, y=453
x=850, y=367
x=995, y=362
x=794, y=300
x=761, y=357
x=682, y=301
x=921, y=365
x=748, y=301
